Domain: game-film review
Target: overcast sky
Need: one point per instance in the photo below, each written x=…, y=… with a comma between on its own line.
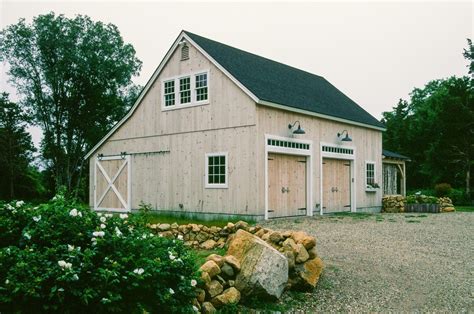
x=375, y=52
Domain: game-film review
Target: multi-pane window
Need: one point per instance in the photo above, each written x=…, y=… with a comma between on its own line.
x=201, y=86
x=216, y=170
x=370, y=174
x=185, y=90
x=169, y=93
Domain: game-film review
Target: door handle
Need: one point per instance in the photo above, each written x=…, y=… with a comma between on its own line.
x=283, y=190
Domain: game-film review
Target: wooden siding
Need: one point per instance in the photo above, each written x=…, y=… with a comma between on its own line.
x=168, y=147
x=367, y=143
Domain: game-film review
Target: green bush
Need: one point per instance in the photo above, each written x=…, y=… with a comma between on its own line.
x=459, y=197
x=421, y=199
x=442, y=189
x=63, y=257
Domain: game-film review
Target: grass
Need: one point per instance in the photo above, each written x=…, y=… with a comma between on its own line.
x=155, y=218
x=465, y=209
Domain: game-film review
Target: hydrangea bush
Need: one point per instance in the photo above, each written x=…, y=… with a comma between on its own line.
x=62, y=257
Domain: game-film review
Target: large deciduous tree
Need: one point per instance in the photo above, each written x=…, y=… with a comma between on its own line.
x=74, y=75
x=16, y=151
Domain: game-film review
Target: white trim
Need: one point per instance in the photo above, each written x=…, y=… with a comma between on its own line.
x=110, y=181
x=213, y=185
x=368, y=189
x=308, y=153
x=319, y=115
x=177, y=91
x=351, y=158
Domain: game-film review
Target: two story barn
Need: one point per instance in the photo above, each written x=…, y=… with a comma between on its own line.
x=218, y=130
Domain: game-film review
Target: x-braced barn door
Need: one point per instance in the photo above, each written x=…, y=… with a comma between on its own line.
x=112, y=184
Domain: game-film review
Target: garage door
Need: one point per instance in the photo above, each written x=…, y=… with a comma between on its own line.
x=286, y=185
x=336, y=185
x=112, y=183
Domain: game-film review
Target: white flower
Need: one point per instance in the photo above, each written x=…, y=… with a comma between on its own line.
x=193, y=283
x=20, y=203
x=172, y=257
x=99, y=214
x=180, y=237
x=171, y=291
x=37, y=218
x=35, y=208
x=123, y=216
x=108, y=215
x=94, y=240
x=103, y=219
x=138, y=271
x=75, y=277
x=7, y=282
x=54, y=198
x=144, y=236
x=9, y=207
x=118, y=232
x=26, y=235
x=195, y=309
x=79, y=214
x=102, y=226
x=98, y=233
x=73, y=212
x=61, y=289
x=64, y=264
x=70, y=248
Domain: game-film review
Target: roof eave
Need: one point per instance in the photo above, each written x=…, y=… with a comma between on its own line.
x=319, y=115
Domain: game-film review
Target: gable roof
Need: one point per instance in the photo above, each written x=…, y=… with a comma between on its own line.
x=241, y=66
x=390, y=154
x=281, y=84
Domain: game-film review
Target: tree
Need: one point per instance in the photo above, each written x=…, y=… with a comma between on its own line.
x=469, y=55
x=17, y=150
x=75, y=77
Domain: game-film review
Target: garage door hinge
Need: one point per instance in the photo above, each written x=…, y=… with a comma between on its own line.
x=303, y=161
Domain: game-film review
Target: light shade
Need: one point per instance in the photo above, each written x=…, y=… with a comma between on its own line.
x=299, y=130
x=346, y=138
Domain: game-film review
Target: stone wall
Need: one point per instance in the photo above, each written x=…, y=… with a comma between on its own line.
x=259, y=261
x=398, y=203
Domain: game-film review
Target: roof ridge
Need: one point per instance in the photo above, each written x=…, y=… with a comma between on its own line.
x=253, y=54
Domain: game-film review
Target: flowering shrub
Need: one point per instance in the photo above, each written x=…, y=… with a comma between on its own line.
x=65, y=257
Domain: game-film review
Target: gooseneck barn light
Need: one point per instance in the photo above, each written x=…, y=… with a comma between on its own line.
x=346, y=138
x=299, y=130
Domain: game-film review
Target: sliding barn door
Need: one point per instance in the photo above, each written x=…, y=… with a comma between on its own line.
x=112, y=183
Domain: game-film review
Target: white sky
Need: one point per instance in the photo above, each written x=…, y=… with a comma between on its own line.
x=375, y=52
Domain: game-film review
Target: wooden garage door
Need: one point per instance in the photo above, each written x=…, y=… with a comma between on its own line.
x=112, y=186
x=286, y=185
x=336, y=185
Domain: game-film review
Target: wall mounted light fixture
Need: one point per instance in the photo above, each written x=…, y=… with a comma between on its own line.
x=346, y=138
x=299, y=130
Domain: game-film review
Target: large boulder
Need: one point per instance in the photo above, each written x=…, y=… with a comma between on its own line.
x=263, y=270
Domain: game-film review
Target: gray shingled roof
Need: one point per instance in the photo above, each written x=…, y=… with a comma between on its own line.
x=284, y=85
x=391, y=154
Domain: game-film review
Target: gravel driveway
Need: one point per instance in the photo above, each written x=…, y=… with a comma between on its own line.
x=383, y=262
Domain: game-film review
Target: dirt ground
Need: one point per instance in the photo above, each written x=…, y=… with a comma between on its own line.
x=389, y=262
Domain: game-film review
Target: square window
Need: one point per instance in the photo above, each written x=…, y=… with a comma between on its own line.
x=217, y=170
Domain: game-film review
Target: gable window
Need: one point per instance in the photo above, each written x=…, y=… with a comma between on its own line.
x=191, y=89
x=185, y=90
x=201, y=87
x=370, y=175
x=216, y=170
x=169, y=93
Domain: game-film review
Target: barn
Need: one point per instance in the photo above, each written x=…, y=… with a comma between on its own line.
x=220, y=131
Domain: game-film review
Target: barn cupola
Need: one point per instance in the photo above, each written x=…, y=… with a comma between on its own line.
x=184, y=50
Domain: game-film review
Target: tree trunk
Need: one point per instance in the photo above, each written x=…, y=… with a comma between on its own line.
x=468, y=180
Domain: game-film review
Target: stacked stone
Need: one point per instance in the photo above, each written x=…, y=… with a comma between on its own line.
x=446, y=204
x=393, y=204
x=218, y=274
x=199, y=236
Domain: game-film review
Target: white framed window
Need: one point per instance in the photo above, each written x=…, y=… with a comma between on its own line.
x=185, y=91
x=169, y=93
x=370, y=183
x=216, y=170
x=201, y=86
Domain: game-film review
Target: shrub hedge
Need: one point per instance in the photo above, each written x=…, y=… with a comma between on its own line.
x=63, y=257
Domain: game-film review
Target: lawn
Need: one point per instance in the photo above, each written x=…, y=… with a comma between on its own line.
x=467, y=209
